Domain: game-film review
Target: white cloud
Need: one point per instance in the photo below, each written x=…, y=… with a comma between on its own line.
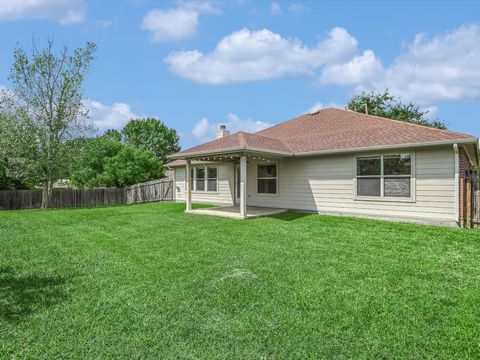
x=443, y=68
x=432, y=112
x=204, y=130
x=177, y=23
x=65, y=12
x=299, y=9
x=361, y=68
x=201, y=128
x=170, y=24
x=275, y=8
x=113, y=116
x=247, y=55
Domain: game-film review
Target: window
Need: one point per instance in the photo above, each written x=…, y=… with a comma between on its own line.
x=204, y=178
x=386, y=176
x=200, y=179
x=267, y=178
x=211, y=179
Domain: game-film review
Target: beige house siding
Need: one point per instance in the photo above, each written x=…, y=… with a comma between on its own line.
x=327, y=185
x=223, y=195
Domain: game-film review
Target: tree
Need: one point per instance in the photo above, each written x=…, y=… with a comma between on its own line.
x=48, y=90
x=113, y=134
x=151, y=134
x=386, y=105
x=131, y=166
x=89, y=163
x=19, y=158
x=104, y=161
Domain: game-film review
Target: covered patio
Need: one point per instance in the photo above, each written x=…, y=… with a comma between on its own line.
x=237, y=149
x=239, y=209
x=233, y=212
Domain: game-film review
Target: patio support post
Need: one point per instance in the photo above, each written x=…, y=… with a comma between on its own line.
x=243, y=187
x=189, y=186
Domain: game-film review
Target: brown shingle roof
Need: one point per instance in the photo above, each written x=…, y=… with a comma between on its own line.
x=329, y=130
x=240, y=140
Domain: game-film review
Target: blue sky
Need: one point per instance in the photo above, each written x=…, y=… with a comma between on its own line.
x=250, y=64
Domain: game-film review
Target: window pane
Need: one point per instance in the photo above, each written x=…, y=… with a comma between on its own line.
x=397, y=187
x=267, y=186
x=368, y=187
x=267, y=170
x=212, y=172
x=397, y=165
x=212, y=185
x=368, y=166
x=200, y=173
x=200, y=185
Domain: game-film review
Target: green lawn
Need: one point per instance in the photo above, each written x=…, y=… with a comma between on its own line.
x=149, y=281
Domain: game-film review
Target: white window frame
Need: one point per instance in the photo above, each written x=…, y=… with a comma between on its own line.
x=194, y=179
x=266, y=178
x=382, y=196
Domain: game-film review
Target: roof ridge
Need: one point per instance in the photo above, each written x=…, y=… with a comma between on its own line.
x=446, y=131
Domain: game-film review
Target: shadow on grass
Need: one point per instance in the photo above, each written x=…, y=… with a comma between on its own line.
x=22, y=295
x=290, y=215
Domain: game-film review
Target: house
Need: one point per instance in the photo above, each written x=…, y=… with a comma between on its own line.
x=333, y=161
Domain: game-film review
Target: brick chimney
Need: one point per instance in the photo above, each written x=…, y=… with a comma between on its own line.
x=222, y=131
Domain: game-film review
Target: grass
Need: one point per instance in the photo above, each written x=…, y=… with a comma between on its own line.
x=149, y=281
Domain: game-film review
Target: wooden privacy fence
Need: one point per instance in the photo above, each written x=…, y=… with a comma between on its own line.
x=472, y=199
x=156, y=190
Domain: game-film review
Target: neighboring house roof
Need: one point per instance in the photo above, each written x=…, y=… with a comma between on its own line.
x=329, y=130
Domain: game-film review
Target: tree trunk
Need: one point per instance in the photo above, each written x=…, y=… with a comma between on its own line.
x=47, y=194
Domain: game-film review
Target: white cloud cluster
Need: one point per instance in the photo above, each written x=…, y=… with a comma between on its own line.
x=443, y=68
x=359, y=69
x=427, y=70
x=204, y=130
x=65, y=12
x=247, y=55
x=177, y=23
x=113, y=116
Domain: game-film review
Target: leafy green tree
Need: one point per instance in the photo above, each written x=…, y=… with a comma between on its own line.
x=104, y=161
x=151, y=134
x=48, y=89
x=113, y=134
x=386, y=105
x=131, y=166
x=19, y=156
x=90, y=161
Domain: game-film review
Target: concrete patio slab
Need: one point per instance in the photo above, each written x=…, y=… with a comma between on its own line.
x=234, y=211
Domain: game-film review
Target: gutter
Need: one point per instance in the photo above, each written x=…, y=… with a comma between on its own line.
x=241, y=149
x=225, y=151
x=386, y=147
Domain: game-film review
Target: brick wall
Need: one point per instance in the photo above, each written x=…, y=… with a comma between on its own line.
x=464, y=165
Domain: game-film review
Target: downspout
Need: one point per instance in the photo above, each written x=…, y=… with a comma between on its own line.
x=457, y=184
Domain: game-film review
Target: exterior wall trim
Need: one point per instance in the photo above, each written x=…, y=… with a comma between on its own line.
x=240, y=149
